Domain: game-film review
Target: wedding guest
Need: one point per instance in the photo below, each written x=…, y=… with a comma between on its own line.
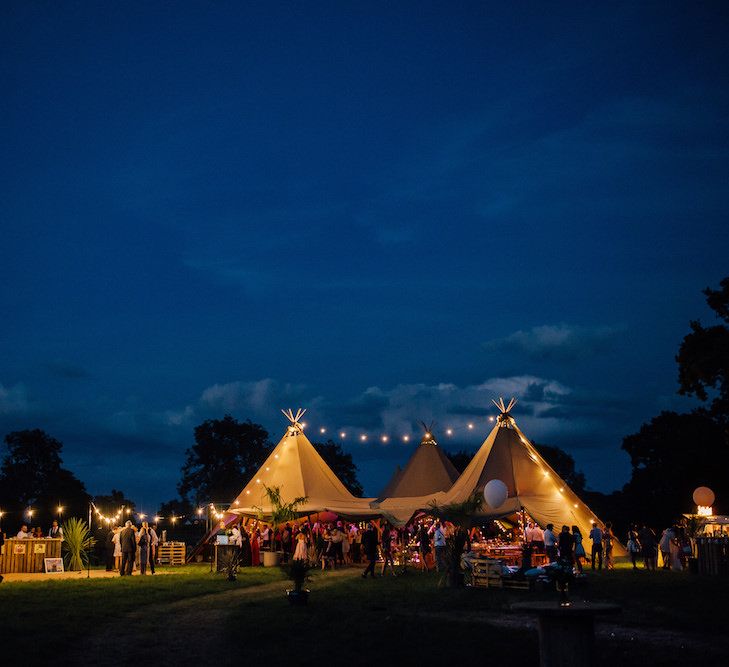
x=256, y=548
x=23, y=533
x=607, y=538
x=597, y=536
x=55, y=531
x=128, y=542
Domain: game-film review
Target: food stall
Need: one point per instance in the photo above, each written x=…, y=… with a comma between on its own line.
x=30, y=555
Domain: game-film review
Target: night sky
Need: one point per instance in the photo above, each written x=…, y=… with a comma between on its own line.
x=382, y=212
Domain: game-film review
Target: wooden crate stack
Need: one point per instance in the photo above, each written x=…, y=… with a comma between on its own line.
x=171, y=553
x=487, y=573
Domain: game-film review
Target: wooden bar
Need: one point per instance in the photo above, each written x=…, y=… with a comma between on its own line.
x=27, y=555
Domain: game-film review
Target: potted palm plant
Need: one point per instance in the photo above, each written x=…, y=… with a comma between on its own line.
x=297, y=571
x=77, y=543
x=280, y=512
x=229, y=563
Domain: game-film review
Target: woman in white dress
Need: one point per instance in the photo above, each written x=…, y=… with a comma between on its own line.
x=117, y=548
x=300, y=553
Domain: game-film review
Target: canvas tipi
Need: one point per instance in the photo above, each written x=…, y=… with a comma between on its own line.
x=532, y=484
x=299, y=471
x=429, y=470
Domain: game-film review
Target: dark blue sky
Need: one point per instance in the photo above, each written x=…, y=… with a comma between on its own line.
x=383, y=213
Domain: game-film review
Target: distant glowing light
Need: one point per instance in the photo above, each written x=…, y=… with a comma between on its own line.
x=449, y=431
x=199, y=511
x=363, y=437
x=576, y=505
x=275, y=456
x=59, y=509
x=491, y=418
x=384, y=438
x=428, y=435
x=303, y=424
x=470, y=426
x=156, y=519
x=248, y=493
x=406, y=438
x=322, y=430
x=561, y=488
x=342, y=435
x=258, y=481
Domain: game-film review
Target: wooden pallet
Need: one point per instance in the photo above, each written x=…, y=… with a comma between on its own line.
x=487, y=573
x=171, y=553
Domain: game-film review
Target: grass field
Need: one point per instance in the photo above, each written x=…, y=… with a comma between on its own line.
x=194, y=616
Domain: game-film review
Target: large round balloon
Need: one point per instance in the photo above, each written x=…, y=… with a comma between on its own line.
x=704, y=496
x=495, y=493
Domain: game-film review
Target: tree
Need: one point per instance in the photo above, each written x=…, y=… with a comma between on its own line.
x=113, y=503
x=341, y=464
x=224, y=458
x=460, y=459
x=703, y=358
x=33, y=458
x=178, y=507
x=31, y=475
x=564, y=465
x=672, y=455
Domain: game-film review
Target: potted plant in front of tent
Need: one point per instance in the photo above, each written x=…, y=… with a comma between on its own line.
x=461, y=515
x=77, y=543
x=297, y=571
x=229, y=563
x=280, y=513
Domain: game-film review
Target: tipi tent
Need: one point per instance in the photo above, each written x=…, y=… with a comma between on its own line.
x=532, y=484
x=299, y=471
x=429, y=470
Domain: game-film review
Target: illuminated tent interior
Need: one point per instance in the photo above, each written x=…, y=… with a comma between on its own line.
x=533, y=486
x=429, y=470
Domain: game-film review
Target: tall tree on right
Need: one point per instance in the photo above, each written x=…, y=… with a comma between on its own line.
x=703, y=358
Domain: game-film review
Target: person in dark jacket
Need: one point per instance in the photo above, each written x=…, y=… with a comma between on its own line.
x=109, y=550
x=566, y=544
x=128, y=543
x=369, y=546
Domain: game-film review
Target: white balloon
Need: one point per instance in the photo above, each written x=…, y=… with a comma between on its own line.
x=495, y=493
x=704, y=496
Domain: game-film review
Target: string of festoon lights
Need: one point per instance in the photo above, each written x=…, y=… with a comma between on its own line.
x=367, y=435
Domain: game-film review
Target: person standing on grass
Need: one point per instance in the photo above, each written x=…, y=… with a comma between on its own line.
x=439, y=544
x=579, y=548
x=607, y=539
x=109, y=550
x=153, y=547
x=597, y=536
x=424, y=546
x=128, y=543
x=117, y=547
x=664, y=545
x=633, y=546
x=369, y=546
x=144, y=542
x=566, y=545
x=256, y=548
x=386, y=548
x=649, y=547
x=550, y=543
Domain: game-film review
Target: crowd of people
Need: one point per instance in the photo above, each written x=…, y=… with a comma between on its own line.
x=131, y=547
x=55, y=532
x=339, y=543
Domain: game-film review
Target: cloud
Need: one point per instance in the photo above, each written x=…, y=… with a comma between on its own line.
x=13, y=399
x=561, y=342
